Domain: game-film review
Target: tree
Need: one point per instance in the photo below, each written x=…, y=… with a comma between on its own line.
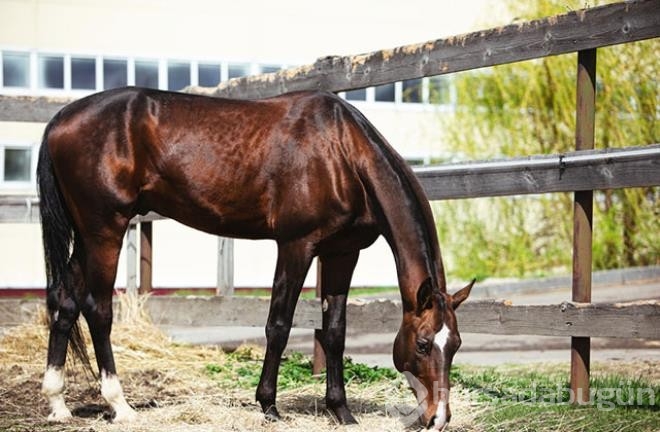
x=529, y=108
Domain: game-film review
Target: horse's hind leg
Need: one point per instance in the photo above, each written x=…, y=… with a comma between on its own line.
x=64, y=312
x=100, y=269
x=293, y=262
x=336, y=274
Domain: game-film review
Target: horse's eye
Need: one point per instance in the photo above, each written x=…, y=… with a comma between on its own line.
x=423, y=346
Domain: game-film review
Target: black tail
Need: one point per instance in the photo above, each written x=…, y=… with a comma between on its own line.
x=58, y=234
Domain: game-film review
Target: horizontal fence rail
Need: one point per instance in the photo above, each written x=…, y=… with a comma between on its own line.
x=624, y=320
x=579, y=30
x=612, y=168
x=572, y=171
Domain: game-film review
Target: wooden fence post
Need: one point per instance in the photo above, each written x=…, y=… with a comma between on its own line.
x=582, y=222
x=225, y=285
x=131, y=256
x=318, y=363
x=146, y=257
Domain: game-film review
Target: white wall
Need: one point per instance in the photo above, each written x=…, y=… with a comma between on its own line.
x=278, y=31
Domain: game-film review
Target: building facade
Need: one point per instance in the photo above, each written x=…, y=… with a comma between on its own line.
x=72, y=48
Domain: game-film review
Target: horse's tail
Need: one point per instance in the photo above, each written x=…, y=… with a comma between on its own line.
x=58, y=235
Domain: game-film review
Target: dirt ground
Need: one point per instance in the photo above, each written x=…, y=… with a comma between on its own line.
x=167, y=384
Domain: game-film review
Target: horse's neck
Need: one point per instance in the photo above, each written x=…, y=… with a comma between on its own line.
x=410, y=231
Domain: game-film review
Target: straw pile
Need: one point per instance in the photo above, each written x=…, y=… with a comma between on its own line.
x=168, y=385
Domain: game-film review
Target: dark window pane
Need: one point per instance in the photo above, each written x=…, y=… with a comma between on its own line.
x=51, y=72
x=17, y=164
x=238, y=70
x=178, y=76
x=208, y=75
x=439, y=91
x=385, y=93
x=115, y=73
x=83, y=73
x=412, y=91
x=146, y=74
x=15, y=69
x=357, y=95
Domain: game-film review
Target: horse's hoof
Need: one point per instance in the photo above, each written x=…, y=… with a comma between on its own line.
x=344, y=416
x=271, y=414
x=60, y=416
x=125, y=415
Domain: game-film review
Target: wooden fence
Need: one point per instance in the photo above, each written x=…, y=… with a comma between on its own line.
x=581, y=172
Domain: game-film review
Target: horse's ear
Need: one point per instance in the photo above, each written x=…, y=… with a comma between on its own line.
x=425, y=296
x=461, y=295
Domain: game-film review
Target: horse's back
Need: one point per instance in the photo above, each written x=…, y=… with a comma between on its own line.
x=260, y=169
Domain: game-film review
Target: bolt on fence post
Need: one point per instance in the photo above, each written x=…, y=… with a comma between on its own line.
x=582, y=222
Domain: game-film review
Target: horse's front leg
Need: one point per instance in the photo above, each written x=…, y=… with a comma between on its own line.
x=336, y=274
x=293, y=262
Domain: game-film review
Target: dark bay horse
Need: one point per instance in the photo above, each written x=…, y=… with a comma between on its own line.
x=304, y=169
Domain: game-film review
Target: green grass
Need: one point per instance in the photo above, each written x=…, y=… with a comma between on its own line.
x=540, y=400
x=505, y=398
x=242, y=369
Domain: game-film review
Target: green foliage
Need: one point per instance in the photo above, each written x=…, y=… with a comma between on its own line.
x=242, y=368
x=528, y=108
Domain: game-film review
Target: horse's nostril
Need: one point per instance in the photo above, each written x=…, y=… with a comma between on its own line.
x=431, y=423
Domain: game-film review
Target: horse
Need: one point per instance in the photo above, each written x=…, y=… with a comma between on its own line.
x=305, y=169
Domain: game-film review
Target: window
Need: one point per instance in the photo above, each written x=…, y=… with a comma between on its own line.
x=412, y=91
x=146, y=73
x=178, y=75
x=15, y=69
x=17, y=164
x=115, y=73
x=439, y=90
x=51, y=72
x=208, y=75
x=385, y=93
x=83, y=73
x=238, y=70
x=356, y=95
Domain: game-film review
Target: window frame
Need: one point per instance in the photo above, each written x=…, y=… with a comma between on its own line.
x=18, y=185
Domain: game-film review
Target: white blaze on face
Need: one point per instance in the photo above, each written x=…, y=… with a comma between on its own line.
x=52, y=388
x=113, y=394
x=440, y=420
x=442, y=337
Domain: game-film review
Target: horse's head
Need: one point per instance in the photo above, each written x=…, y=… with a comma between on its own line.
x=424, y=349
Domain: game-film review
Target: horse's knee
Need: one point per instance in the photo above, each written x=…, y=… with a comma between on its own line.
x=334, y=339
x=277, y=332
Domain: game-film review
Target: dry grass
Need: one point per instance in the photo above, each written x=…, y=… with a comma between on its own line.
x=168, y=385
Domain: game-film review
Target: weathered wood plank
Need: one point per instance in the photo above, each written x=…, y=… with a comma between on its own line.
x=584, y=29
x=625, y=320
x=579, y=30
x=38, y=109
x=631, y=320
x=573, y=171
x=585, y=170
